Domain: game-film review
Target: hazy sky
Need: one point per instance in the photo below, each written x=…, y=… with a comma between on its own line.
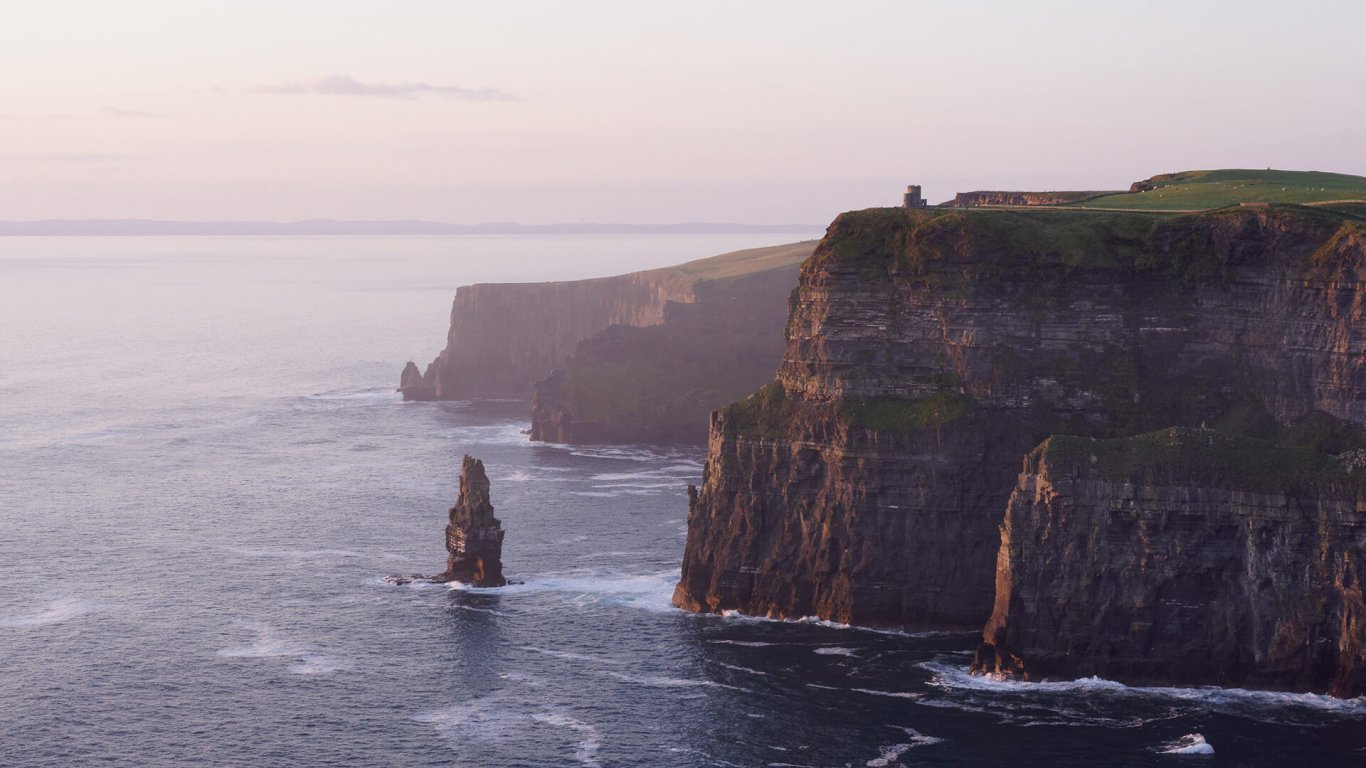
x=767, y=112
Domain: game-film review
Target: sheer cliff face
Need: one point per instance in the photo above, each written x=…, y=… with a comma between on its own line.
x=1182, y=555
x=658, y=384
x=505, y=336
x=929, y=350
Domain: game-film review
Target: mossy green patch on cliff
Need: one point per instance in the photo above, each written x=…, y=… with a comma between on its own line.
x=1205, y=457
x=766, y=413
x=904, y=414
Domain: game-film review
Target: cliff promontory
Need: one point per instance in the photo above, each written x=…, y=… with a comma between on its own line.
x=929, y=350
x=639, y=357
x=1185, y=555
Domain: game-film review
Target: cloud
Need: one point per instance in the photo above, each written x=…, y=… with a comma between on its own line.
x=116, y=112
x=342, y=85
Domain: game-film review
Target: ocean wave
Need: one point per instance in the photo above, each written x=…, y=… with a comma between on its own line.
x=489, y=722
x=817, y=621
x=738, y=668
x=571, y=656
x=1190, y=744
x=506, y=433
x=357, y=397
x=653, y=592
x=835, y=650
x=889, y=694
x=56, y=611
x=660, y=681
x=270, y=644
x=1278, y=706
x=889, y=755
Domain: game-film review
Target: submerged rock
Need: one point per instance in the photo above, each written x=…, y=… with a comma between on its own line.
x=474, y=537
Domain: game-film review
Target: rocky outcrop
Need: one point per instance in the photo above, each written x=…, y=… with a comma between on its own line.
x=927, y=351
x=1183, y=556
x=657, y=384
x=998, y=198
x=474, y=537
x=504, y=337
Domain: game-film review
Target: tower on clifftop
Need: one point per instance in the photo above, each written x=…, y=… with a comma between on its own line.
x=912, y=198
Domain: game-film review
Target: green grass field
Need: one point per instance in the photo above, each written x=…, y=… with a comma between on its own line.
x=1203, y=190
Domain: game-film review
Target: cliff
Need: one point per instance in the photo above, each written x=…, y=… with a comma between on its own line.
x=505, y=336
x=659, y=383
x=642, y=357
x=474, y=537
x=928, y=350
x=1183, y=555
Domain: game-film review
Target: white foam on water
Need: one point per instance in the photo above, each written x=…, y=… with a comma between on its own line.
x=891, y=694
x=358, y=397
x=660, y=681
x=893, y=752
x=270, y=644
x=477, y=609
x=57, y=611
x=745, y=643
x=1190, y=744
x=508, y=433
x=652, y=592
x=1230, y=700
x=515, y=477
x=835, y=650
x=586, y=749
x=571, y=656
x=482, y=722
x=620, y=476
x=734, y=614
x=742, y=669
x=530, y=681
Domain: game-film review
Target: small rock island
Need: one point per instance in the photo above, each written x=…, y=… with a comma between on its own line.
x=474, y=537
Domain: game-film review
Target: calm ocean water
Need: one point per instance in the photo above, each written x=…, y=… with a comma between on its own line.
x=205, y=476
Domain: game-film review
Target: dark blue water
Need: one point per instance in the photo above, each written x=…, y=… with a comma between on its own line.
x=205, y=476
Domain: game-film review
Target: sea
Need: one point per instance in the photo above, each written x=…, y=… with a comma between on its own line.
x=206, y=476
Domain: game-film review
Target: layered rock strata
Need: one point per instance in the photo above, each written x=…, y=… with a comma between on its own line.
x=504, y=337
x=474, y=537
x=1187, y=556
x=927, y=351
x=658, y=384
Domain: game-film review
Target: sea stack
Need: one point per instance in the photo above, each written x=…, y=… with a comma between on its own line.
x=474, y=537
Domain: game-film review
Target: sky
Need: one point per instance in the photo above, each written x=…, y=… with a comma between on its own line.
x=642, y=112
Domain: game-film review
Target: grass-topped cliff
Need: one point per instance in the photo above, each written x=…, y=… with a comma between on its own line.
x=930, y=350
x=1203, y=190
x=1026, y=243
x=658, y=382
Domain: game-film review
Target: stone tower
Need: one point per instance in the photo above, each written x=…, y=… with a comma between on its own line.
x=912, y=198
